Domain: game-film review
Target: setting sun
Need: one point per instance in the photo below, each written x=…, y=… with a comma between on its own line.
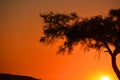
x=105, y=78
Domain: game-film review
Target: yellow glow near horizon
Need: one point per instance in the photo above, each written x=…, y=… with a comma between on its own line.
x=105, y=78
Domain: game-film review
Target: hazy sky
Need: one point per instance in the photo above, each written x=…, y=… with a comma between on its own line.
x=20, y=50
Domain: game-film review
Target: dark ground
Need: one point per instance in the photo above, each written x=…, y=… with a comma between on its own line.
x=15, y=77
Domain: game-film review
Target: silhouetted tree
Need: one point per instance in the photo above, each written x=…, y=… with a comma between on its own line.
x=97, y=32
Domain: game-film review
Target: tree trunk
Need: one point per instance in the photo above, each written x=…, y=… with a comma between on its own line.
x=114, y=66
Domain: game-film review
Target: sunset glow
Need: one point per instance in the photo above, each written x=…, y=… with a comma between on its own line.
x=22, y=53
x=105, y=78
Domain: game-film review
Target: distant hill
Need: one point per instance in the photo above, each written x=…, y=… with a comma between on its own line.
x=15, y=77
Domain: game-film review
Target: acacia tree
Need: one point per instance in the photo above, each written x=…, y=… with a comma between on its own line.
x=97, y=32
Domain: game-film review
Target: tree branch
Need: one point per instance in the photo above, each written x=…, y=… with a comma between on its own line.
x=108, y=48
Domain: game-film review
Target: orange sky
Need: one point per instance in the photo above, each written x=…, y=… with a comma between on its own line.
x=20, y=50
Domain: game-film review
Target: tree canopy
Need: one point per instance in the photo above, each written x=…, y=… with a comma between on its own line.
x=95, y=32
